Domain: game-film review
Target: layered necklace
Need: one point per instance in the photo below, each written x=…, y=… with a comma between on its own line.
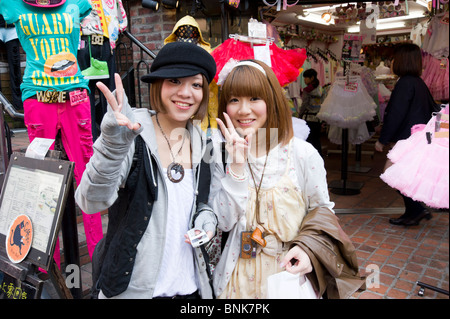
x=175, y=171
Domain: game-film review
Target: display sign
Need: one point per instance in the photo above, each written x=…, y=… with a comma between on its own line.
x=36, y=189
x=351, y=50
x=11, y=288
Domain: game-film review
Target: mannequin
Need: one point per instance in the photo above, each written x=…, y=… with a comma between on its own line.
x=54, y=93
x=188, y=30
x=99, y=33
x=8, y=36
x=382, y=69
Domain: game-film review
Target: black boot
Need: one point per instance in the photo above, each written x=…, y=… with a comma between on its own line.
x=400, y=220
x=414, y=221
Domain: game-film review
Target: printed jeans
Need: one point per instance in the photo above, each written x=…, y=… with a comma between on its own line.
x=45, y=120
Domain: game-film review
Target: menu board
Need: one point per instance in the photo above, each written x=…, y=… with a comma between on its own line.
x=35, y=188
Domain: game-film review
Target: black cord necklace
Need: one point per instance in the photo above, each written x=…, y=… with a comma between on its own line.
x=175, y=171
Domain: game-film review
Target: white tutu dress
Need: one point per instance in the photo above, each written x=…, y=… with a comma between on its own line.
x=345, y=108
x=421, y=168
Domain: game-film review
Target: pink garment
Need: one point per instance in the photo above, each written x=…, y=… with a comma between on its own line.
x=421, y=169
x=436, y=77
x=45, y=120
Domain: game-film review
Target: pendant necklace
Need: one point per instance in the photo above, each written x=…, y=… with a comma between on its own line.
x=175, y=171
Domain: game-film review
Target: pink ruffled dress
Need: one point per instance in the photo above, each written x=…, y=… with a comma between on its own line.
x=421, y=169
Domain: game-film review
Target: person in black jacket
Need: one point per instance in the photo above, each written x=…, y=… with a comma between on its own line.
x=411, y=103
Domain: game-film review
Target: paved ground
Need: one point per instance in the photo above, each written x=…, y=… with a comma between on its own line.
x=396, y=255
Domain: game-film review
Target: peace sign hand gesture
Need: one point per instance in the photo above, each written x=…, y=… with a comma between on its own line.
x=236, y=145
x=116, y=103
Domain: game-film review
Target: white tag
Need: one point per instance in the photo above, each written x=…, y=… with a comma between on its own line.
x=257, y=29
x=262, y=53
x=39, y=147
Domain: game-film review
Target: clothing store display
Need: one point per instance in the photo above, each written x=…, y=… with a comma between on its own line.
x=301, y=128
x=99, y=33
x=107, y=19
x=190, y=32
x=345, y=106
x=356, y=136
x=48, y=67
x=8, y=35
x=436, y=38
x=436, y=75
x=54, y=92
x=382, y=69
x=101, y=53
x=285, y=63
x=97, y=71
x=421, y=163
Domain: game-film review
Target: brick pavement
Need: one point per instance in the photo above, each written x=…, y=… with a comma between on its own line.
x=402, y=255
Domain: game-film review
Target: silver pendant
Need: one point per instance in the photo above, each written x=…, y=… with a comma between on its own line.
x=175, y=172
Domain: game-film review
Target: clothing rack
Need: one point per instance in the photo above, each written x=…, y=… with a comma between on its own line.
x=252, y=40
x=331, y=54
x=322, y=54
x=343, y=186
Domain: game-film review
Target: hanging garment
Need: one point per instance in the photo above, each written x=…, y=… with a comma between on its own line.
x=285, y=63
x=420, y=167
x=345, y=106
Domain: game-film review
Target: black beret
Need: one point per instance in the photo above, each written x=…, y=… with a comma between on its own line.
x=180, y=60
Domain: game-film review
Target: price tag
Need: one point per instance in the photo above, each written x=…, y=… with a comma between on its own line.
x=351, y=87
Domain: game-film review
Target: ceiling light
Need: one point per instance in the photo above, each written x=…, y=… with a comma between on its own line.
x=316, y=9
x=314, y=18
x=383, y=26
x=326, y=16
x=171, y=3
x=150, y=4
x=423, y=3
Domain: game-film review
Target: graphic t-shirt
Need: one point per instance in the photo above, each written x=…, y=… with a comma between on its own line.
x=50, y=38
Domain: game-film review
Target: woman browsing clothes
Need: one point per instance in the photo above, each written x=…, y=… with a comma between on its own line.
x=410, y=103
x=271, y=195
x=156, y=155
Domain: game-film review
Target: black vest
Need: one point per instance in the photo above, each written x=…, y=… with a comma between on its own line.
x=114, y=256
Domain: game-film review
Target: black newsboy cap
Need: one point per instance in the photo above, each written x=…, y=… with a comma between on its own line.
x=180, y=60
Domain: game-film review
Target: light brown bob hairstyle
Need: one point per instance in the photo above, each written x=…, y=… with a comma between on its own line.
x=157, y=105
x=248, y=81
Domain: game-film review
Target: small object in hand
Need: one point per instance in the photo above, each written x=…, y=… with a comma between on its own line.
x=197, y=239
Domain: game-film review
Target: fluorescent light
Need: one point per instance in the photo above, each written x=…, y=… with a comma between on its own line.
x=383, y=26
x=411, y=15
x=315, y=9
x=423, y=3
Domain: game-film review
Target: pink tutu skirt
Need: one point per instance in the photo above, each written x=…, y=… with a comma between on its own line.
x=421, y=169
x=347, y=109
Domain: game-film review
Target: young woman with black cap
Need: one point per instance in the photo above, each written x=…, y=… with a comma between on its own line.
x=156, y=155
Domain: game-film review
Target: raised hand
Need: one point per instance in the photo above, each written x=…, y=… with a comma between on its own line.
x=116, y=103
x=236, y=145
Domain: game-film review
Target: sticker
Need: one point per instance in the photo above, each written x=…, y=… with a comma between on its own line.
x=19, y=239
x=351, y=87
x=78, y=97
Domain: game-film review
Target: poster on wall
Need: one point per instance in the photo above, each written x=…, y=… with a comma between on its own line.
x=351, y=50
